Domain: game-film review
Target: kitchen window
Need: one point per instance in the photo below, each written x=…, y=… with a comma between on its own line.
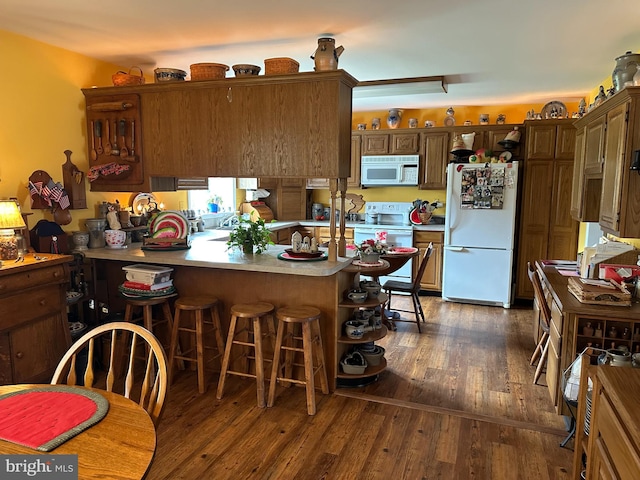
x=222, y=188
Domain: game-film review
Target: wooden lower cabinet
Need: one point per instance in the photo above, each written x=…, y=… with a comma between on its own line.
x=34, y=332
x=432, y=277
x=612, y=448
x=323, y=234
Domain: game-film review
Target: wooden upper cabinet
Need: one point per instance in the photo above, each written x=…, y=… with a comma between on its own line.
x=435, y=155
x=612, y=175
x=384, y=143
x=541, y=142
x=610, y=140
x=577, y=186
x=565, y=141
x=594, y=147
x=404, y=143
x=266, y=126
x=353, y=181
x=375, y=144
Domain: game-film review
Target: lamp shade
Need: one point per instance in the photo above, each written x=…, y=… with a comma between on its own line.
x=10, y=216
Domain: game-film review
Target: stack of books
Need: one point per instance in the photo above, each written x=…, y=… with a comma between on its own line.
x=147, y=281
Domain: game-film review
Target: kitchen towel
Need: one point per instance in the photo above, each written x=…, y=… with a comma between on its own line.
x=44, y=418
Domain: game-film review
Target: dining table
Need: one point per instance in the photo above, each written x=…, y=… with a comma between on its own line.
x=121, y=445
x=389, y=263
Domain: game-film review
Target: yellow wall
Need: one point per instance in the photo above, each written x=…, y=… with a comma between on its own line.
x=42, y=115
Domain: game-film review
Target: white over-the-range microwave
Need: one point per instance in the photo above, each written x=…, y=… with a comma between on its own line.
x=389, y=170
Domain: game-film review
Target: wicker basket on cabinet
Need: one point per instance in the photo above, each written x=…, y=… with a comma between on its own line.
x=280, y=66
x=208, y=71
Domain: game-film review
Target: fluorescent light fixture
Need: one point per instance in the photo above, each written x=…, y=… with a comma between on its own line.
x=400, y=86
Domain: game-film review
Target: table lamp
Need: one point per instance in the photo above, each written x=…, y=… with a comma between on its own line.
x=11, y=244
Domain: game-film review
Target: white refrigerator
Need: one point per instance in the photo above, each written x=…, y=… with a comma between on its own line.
x=479, y=233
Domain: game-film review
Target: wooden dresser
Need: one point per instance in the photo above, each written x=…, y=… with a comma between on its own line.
x=612, y=447
x=33, y=318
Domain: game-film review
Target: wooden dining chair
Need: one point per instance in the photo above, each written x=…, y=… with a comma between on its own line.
x=412, y=288
x=545, y=321
x=143, y=378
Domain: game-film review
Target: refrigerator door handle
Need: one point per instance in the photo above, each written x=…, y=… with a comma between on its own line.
x=454, y=249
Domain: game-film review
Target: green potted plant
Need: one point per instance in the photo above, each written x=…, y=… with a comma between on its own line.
x=250, y=235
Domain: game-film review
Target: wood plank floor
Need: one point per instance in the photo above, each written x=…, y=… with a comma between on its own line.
x=456, y=402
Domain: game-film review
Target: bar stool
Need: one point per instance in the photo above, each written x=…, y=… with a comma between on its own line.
x=150, y=323
x=309, y=319
x=198, y=305
x=248, y=337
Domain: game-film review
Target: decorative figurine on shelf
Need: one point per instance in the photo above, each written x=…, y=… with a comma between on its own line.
x=501, y=120
x=582, y=108
x=600, y=98
x=450, y=120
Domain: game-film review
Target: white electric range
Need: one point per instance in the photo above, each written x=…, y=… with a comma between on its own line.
x=390, y=220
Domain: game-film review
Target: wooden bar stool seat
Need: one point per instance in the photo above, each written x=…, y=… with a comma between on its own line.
x=246, y=334
x=147, y=318
x=291, y=341
x=195, y=353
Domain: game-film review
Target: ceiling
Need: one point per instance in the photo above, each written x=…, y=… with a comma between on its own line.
x=491, y=52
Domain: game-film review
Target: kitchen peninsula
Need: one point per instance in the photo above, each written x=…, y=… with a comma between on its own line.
x=209, y=268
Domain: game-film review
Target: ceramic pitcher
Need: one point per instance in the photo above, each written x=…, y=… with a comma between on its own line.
x=326, y=55
x=626, y=67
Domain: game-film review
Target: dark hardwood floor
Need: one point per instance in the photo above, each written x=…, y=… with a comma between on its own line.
x=456, y=402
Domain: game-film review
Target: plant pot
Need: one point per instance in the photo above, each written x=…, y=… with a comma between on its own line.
x=247, y=247
x=370, y=257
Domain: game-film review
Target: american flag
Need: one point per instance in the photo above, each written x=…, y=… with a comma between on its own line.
x=64, y=202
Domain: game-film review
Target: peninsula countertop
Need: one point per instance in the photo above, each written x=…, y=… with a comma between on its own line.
x=209, y=250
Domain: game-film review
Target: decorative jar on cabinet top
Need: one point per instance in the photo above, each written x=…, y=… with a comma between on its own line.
x=626, y=67
x=394, y=117
x=326, y=55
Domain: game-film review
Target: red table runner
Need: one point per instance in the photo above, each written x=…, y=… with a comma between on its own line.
x=43, y=418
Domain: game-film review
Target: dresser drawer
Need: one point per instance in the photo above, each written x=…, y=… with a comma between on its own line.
x=33, y=278
x=616, y=441
x=23, y=307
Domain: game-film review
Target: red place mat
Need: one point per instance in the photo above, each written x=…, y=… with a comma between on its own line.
x=43, y=418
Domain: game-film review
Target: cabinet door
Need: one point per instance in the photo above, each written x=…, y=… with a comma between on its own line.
x=594, y=146
x=353, y=181
x=612, y=177
x=600, y=464
x=404, y=143
x=563, y=229
x=35, y=365
x=432, y=277
x=354, y=178
x=541, y=142
x=375, y=144
x=565, y=142
x=534, y=220
x=578, y=176
x=435, y=155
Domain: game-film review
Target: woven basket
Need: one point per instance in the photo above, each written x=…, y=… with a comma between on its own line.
x=208, y=71
x=425, y=217
x=280, y=66
x=126, y=79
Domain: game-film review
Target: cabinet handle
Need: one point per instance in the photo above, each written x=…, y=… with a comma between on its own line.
x=56, y=274
x=43, y=302
x=19, y=355
x=229, y=95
